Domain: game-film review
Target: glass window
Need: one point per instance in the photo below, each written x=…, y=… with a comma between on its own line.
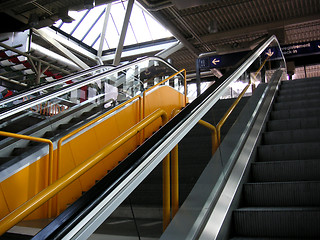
x=142, y=26
x=68, y=27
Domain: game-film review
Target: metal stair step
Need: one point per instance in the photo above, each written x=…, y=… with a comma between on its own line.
x=293, y=124
x=300, y=90
x=292, y=222
x=307, y=103
x=281, y=152
x=300, y=82
x=277, y=171
x=282, y=194
x=19, y=151
x=4, y=160
x=295, y=113
x=292, y=136
x=298, y=97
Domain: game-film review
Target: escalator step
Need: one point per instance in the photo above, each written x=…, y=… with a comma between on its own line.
x=277, y=222
x=262, y=238
x=295, y=113
x=292, y=124
x=294, y=151
x=298, y=97
x=4, y=159
x=15, y=236
x=65, y=126
x=292, y=136
x=300, y=90
x=299, y=83
x=307, y=103
x=50, y=134
x=282, y=194
x=306, y=170
x=19, y=151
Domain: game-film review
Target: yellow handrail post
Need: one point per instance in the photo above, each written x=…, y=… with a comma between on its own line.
x=32, y=204
x=43, y=140
x=227, y=114
x=214, y=137
x=175, y=180
x=185, y=88
x=166, y=191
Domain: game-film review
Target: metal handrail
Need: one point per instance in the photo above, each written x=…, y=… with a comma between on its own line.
x=46, y=97
x=49, y=85
x=31, y=205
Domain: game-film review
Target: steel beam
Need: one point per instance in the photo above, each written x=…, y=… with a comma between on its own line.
x=117, y=57
x=104, y=28
x=170, y=50
x=61, y=48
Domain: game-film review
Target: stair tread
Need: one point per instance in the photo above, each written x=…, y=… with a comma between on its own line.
x=292, y=124
x=292, y=151
x=279, y=209
x=292, y=136
x=306, y=170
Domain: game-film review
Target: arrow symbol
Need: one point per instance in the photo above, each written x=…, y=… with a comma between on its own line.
x=269, y=53
x=215, y=61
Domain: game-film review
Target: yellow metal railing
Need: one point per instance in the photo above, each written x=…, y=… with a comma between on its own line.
x=36, y=139
x=59, y=146
x=165, y=80
x=28, y=207
x=54, y=188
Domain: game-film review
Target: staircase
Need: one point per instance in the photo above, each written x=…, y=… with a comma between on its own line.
x=281, y=200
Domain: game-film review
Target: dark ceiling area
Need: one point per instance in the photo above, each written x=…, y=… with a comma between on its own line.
x=221, y=26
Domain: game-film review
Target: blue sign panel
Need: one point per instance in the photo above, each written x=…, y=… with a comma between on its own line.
x=289, y=51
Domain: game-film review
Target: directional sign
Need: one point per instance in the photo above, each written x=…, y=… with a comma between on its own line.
x=215, y=61
x=289, y=52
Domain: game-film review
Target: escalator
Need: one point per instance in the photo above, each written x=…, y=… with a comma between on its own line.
x=23, y=160
x=195, y=219
x=281, y=197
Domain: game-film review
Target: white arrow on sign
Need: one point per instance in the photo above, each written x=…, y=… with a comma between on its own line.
x=215, y=61
x=269, y=53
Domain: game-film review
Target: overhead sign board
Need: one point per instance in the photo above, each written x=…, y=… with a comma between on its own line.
x=289, y=51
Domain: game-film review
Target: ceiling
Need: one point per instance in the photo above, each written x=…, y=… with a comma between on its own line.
x=202, y=26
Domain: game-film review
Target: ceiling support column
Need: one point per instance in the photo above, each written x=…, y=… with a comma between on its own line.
x=104, y=28
x=117, y=57
x=66, y=52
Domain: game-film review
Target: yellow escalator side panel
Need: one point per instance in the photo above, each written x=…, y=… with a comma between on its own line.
x=72, y=192
x=20, y=187
x=165, y=98
x=4, y=208
x=25, y=184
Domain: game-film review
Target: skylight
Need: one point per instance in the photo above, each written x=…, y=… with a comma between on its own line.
x=88, y=24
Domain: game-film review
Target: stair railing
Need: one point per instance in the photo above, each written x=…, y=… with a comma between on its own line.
x=35, y=202
x=42, y=140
